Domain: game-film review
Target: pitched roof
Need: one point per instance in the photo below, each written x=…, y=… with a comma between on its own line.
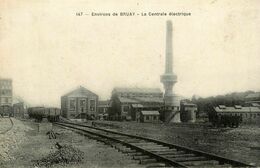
x=80, y=92
x=238, y=110
x=137, y=105
x=137, y=90
x=150, y=112
x=149, y=99
x=253, y=95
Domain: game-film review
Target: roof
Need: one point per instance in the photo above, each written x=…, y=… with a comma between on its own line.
x=80, y=92
x=137, y=90
x=150, y=99
x=255, y=104
x=137, y=106
x=238, y=110
x=150, y=112
x=189, y=104
x=253, y=95
x=127, y=100
x=140, y=100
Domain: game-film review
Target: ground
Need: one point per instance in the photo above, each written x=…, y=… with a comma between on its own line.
x=241, y=143
x=28, y=145
x=25, y=143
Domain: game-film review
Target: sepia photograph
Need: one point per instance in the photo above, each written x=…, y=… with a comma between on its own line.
x=133, y=84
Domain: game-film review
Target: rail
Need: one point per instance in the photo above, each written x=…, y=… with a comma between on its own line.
x=12, y=124
x=220, y=159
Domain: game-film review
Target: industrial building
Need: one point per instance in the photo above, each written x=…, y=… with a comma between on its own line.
x=80, y=103
x=249, y=115
x=127, y=103
x=6, y=92
x=253, y=99
x=188, y=111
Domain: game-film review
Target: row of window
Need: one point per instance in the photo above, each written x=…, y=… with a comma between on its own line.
x=6, y=92
x=5, y=100
x=82, y=104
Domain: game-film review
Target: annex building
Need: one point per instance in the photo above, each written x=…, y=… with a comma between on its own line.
x=80, y=103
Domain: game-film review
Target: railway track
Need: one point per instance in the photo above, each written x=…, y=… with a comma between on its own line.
x=12, y=124
x=151, y=152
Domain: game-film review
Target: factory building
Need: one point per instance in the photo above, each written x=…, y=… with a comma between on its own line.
x=6, y=92
x=249, y=115
x=127, y=103
x=80, y=103
x=253, y=99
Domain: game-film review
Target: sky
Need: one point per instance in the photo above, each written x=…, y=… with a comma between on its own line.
x=48, y=51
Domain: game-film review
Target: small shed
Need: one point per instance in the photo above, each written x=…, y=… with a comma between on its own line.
x=149, y=116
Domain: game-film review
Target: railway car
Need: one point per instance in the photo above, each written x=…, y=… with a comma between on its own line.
x=6, y=111
x=52, y=114
x=38, y=113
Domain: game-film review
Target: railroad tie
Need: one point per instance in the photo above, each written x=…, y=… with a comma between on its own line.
x=135, y=154
x=144, y=143
x=154, y=165
x=201, y=163
x=141, y=157
x=169, y=152
x=195, y=158
x=179, y=155
x=147, y=161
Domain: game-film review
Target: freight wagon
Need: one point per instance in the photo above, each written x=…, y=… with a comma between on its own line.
x=38, y=113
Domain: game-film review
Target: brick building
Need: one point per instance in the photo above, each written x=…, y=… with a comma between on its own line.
x=127, y=103
x=79, y=103
x=6, y=92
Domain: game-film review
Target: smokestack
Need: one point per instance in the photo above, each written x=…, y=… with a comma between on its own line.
x=168, y=49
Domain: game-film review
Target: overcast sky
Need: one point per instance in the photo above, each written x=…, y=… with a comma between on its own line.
x=47, y=50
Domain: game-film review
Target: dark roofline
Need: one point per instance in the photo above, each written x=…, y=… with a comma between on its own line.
x=77, y=89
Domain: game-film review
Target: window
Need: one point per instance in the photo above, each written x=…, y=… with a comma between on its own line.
x=6, y=100
x=72, y=104
x=126, y=108
x=92, y=105
x=82, y=103
x=147, y=117
x=154, y=117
